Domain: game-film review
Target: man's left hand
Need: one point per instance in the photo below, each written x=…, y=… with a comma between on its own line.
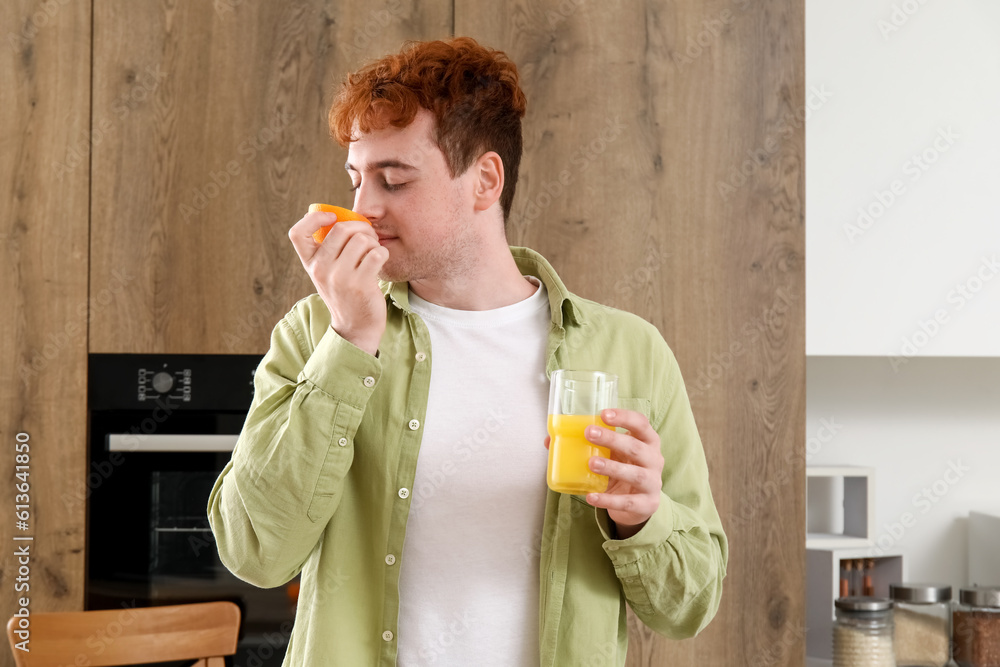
x=634, y=471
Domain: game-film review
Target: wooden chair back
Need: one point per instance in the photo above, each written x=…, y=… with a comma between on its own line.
x=205, y=631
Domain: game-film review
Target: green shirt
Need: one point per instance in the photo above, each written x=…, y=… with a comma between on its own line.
x=319, y=484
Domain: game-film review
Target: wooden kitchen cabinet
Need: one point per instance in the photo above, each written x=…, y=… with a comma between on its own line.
x=640, y=117
x=206, y=139
x=213, y=117
x=45, y=79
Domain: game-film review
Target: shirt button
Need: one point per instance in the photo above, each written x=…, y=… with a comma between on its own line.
x=390, y=559
x=414, y=424
x=404, y=493
x=369, y=381
x=387, y=635
x=342, y=442
x=421, y=356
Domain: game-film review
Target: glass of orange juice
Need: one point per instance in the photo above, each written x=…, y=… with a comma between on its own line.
x=576, y=399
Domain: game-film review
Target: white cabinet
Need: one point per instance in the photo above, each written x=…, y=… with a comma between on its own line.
x=902, y=179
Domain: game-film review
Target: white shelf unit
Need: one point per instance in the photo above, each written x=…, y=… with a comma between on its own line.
x=840, y=507
x=840, y=525
x=823, y=587
x=984, y=545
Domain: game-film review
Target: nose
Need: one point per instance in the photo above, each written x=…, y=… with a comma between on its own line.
x=367, y=201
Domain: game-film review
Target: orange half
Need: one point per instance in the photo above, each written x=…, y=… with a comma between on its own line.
x=342, y=214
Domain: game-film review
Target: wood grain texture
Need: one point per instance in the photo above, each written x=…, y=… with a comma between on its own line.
x=641, y=117
x=216, y=143
x=44, y=128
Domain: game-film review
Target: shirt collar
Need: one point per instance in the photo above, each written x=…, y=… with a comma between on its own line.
x=561, y=301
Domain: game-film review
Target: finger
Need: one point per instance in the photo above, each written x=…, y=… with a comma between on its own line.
x=632, y=503
x=346, y=245
x=355, y=250
x=636, y=477
x=547, y=439
x=342, y=233
x=373, y=261
x=627, y=447
x=301, y=233
x=635, y=422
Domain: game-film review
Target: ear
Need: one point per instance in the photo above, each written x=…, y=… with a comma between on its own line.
x=488, y=182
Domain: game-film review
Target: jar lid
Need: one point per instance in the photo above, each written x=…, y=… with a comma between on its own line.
x=981, y=596
x=920, y=593
x=863, y=604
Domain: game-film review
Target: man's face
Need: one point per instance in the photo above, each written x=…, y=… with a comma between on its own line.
x=421, y=214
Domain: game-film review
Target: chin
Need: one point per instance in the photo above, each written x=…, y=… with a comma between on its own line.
x=393, y=274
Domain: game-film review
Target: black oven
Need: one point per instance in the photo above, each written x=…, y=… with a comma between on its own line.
x=162, y=427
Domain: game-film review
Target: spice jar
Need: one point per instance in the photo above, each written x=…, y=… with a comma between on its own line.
x=922, y=617
x=862, y=633
x=976, y=627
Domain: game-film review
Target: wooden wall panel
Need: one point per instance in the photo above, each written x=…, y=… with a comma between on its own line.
x=44, y=172
x=215, y=143
x=663, y=175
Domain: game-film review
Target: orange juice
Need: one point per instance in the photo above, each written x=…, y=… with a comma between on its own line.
x=570, y=452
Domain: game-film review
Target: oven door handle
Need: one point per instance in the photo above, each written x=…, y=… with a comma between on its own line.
x=171, y=442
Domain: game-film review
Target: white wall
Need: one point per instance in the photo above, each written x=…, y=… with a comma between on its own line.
x=909, y=133
x=914, y=424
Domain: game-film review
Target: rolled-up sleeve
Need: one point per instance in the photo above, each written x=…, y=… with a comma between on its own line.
x=272, y=501
x=671, y=571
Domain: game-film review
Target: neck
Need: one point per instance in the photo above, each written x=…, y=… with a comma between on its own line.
x=487, y=278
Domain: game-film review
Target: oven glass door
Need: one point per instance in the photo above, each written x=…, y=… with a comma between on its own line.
x=149, y=541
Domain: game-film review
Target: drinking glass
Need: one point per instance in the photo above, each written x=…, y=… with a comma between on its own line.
x=576, y=399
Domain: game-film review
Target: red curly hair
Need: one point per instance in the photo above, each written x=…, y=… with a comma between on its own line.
x=472, y=91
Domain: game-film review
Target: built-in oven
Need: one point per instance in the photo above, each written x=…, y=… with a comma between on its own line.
x=162, y=427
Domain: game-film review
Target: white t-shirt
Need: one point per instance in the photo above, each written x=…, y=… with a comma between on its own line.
x=468, y=590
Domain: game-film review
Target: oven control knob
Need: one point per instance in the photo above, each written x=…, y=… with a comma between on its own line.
x=163, y=382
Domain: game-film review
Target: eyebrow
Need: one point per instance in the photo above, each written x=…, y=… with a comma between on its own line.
x=382, y=164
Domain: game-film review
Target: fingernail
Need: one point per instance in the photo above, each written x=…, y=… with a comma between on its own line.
x=598, y=464
x=611, y=414
x=593, y=432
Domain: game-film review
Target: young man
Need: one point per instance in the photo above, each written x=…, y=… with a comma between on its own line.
x=415, y=407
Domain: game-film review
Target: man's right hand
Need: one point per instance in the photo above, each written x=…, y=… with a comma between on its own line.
x=344, y=269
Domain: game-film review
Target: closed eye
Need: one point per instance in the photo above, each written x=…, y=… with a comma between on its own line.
x=391, y=187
